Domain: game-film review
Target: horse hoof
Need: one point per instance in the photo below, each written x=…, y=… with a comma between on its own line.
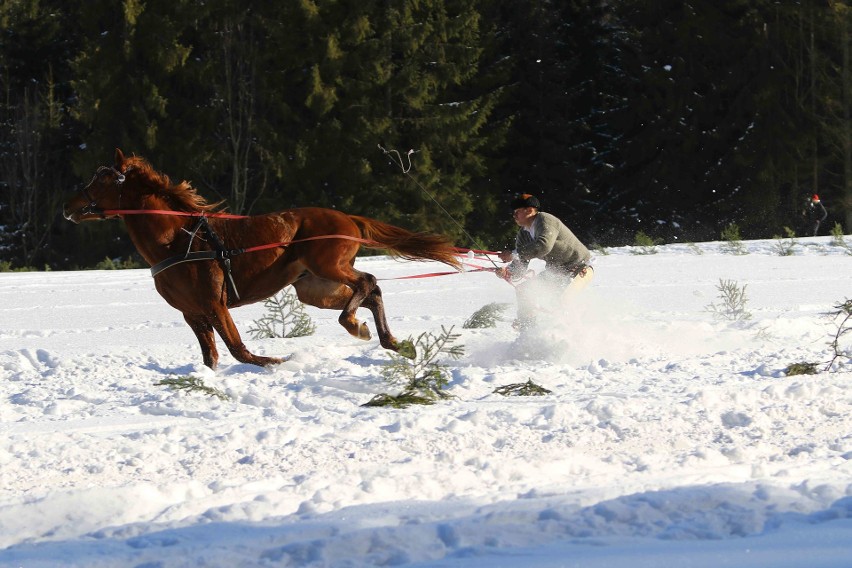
x=267, y=361
x=364, y=331
x=406, y=349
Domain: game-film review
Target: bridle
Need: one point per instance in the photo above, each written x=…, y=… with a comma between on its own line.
x=93, y=208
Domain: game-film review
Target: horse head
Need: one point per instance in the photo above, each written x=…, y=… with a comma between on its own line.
x=102, y=195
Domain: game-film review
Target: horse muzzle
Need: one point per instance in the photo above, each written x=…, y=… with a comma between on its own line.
x=73, y=216
x=84, y=213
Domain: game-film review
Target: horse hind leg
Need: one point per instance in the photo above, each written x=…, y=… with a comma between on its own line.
x=366, y=293
x=330, y=295
x=349, y=320
x=376, y=305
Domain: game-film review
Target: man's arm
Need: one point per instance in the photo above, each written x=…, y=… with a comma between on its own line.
x=545, y=237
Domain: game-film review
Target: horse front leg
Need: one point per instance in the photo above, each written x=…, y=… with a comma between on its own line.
x=200, y=325
x=223, y=324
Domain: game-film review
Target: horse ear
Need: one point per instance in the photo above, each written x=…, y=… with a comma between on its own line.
x=119, y=158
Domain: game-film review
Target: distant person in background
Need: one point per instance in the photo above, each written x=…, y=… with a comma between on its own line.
x=543, y=236
x=814, y=215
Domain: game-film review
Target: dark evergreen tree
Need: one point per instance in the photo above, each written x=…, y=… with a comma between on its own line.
x=799, y=139
x=128, y=96
x=391, y=73
x=125, y=78
x=675, y=118
x=690, y=115
x=37, y=38
x=234, y=108
x=562, y=87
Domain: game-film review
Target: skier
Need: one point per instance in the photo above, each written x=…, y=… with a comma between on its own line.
x=543, y=236
x=814, y=214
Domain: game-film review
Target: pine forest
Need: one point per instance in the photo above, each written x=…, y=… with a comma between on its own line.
x=675, y=119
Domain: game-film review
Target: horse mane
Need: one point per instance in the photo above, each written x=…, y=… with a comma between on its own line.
x=181, y=196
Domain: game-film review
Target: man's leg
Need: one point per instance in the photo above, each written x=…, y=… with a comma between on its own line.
x=578, y=284
x=527, y=304
x=540, y=294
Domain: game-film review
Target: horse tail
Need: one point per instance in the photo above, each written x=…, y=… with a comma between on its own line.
x=408, y=245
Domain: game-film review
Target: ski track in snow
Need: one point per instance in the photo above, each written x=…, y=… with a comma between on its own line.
x=669, y=435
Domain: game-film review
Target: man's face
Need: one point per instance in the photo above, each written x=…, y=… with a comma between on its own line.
x=523, y=216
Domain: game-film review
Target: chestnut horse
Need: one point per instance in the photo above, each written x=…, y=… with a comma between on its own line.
x=311, y=248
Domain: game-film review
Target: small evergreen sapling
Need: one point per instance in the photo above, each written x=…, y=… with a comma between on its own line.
x=733, y=242
x=801, y=369
x=486, y=316
x=733, y=302
x=838, y=240
x=422, y=377
x=785, y=246
x=528, y=388
x=695, y=248
x=841, y=316
x=283, y=311
x=192, y=384
x=643, y=244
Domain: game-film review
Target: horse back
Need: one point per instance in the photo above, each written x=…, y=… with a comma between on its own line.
x=313, y=222
x=288, y=227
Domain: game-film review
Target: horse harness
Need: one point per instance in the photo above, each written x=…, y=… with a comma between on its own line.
x=219, y=252
x=93, y=208
x=223, y=254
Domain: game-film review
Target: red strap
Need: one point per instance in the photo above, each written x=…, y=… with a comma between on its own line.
x=317, y=238
x=173, y=213
x=431, y=274
x=459, y=251
x=214, y=215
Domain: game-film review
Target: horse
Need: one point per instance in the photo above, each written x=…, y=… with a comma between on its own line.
x=205, y=261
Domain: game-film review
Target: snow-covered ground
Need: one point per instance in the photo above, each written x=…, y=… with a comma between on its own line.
x=669, y=439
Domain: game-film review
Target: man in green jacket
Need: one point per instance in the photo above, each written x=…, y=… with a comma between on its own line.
x=543, y=236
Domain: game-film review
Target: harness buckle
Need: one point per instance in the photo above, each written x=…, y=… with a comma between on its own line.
x=229, y=253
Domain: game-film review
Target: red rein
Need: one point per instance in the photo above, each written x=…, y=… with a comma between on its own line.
x=460, y=251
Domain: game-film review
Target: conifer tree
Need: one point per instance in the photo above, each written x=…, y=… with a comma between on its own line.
x=127, y=95
x=37, y=38
x=384, y=72
x=131, y=53
x=562, y=84
x=229, y=114
x=691, y=113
